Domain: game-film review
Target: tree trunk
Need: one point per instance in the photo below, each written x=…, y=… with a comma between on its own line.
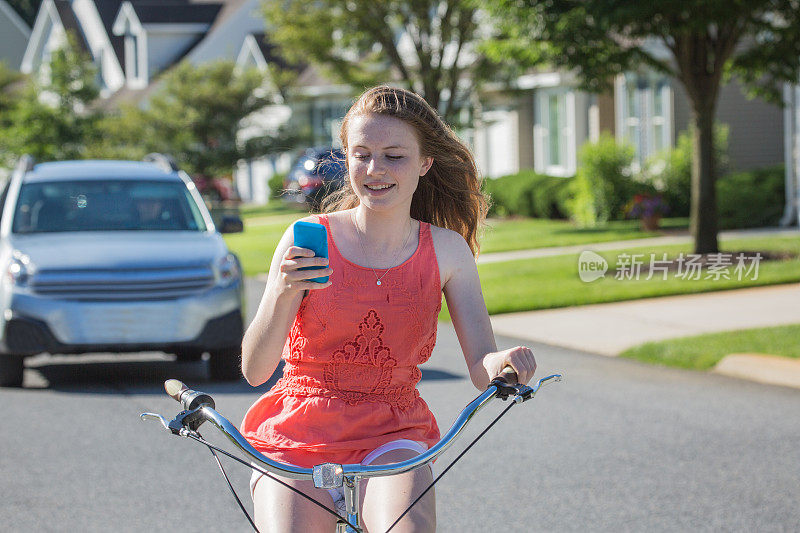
x=704, y=178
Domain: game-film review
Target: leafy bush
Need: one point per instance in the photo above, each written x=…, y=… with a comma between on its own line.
x=670, y=172
x=275, y=184
x=603, y=183
x=528, y=194
x=751, y=199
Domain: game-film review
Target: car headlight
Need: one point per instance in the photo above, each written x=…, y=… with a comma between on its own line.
x=228, y=270
x=19, y=269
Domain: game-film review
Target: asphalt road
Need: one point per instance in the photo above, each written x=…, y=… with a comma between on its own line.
x=617, y=446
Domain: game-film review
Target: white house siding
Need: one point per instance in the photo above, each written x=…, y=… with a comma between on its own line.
x=15, y=34
x=251, y=177
x=496, y=146
x=755, y=127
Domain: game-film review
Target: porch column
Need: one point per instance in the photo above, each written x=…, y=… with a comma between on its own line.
x=790, y=214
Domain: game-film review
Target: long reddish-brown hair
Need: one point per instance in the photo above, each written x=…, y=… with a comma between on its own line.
x=449, y=195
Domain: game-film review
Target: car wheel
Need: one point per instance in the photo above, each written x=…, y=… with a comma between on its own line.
x=188, y=356
x=225, y=364
x=11, y=367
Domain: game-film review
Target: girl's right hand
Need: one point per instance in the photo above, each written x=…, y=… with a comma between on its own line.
x=293, y=280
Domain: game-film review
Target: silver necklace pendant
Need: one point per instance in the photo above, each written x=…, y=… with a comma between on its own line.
x=364, y=251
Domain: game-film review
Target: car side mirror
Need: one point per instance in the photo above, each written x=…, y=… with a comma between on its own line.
x=231, y=224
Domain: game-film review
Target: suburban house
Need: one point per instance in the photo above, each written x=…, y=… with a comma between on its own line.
x=15, y=36
x=540, y=124
x=546, y=121
x=133, y=41
x=549, y=119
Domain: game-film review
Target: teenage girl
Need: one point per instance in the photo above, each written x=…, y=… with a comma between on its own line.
x=401, y=232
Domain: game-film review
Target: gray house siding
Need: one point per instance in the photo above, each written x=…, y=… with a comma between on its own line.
x=15, y=34
x=525, y=133
x=755, y=127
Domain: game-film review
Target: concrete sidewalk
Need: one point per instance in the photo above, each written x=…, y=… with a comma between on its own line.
x=681, y=238
x=609, y=329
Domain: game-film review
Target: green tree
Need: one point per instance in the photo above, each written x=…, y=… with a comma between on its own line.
x=195, y=116
x=704, y=43
x=9, y=91
x=53, y=118
x=358, y=42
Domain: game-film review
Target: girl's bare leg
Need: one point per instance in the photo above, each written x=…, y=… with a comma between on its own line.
x=279, y=510
x=386, y=498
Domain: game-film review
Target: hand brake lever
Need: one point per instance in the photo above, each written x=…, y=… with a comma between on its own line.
x=526, y=393
x=155, y=416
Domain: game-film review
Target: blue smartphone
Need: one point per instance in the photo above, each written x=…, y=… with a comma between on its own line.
x=314, y=237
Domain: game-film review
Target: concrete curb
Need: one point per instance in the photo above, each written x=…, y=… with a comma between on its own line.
x=763, y=368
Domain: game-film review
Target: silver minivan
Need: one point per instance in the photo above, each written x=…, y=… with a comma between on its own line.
x=114, y=256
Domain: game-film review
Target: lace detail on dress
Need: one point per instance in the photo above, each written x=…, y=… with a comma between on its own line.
x=295, y=383
x=363, y=365
x=296, y=342
x=427, y=349
x=359, y=371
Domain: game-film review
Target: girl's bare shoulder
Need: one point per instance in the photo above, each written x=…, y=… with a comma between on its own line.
x=452, y=251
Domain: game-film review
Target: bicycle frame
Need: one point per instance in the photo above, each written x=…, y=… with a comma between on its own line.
x=200, y=409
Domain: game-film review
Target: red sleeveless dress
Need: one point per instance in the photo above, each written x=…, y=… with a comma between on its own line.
x=350, y=374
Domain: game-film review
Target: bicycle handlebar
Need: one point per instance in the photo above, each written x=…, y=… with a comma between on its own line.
x=199, y=408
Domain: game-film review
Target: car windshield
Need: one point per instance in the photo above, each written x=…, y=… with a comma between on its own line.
x=107, y=205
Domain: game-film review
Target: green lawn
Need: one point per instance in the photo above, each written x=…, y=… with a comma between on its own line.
x=550, y=282
x=504, y=235
x=264, y=226
x=704, y=351
x=274, y=207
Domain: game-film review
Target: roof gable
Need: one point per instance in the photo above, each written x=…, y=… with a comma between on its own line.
x=48, y=20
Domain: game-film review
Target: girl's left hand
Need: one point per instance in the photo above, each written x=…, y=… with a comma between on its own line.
x=519, y=358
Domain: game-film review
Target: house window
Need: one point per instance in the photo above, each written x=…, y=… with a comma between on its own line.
x=554, y=132
x=644, y=114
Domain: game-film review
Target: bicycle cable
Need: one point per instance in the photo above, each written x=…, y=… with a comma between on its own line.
x=465, y=450
x=199, y=438
x=233, y=491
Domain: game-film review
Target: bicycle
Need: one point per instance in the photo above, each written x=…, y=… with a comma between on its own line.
x=199, y=407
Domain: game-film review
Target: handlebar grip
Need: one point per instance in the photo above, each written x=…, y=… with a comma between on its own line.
x=508, y=375
x=174, y=388
x=189, y=398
